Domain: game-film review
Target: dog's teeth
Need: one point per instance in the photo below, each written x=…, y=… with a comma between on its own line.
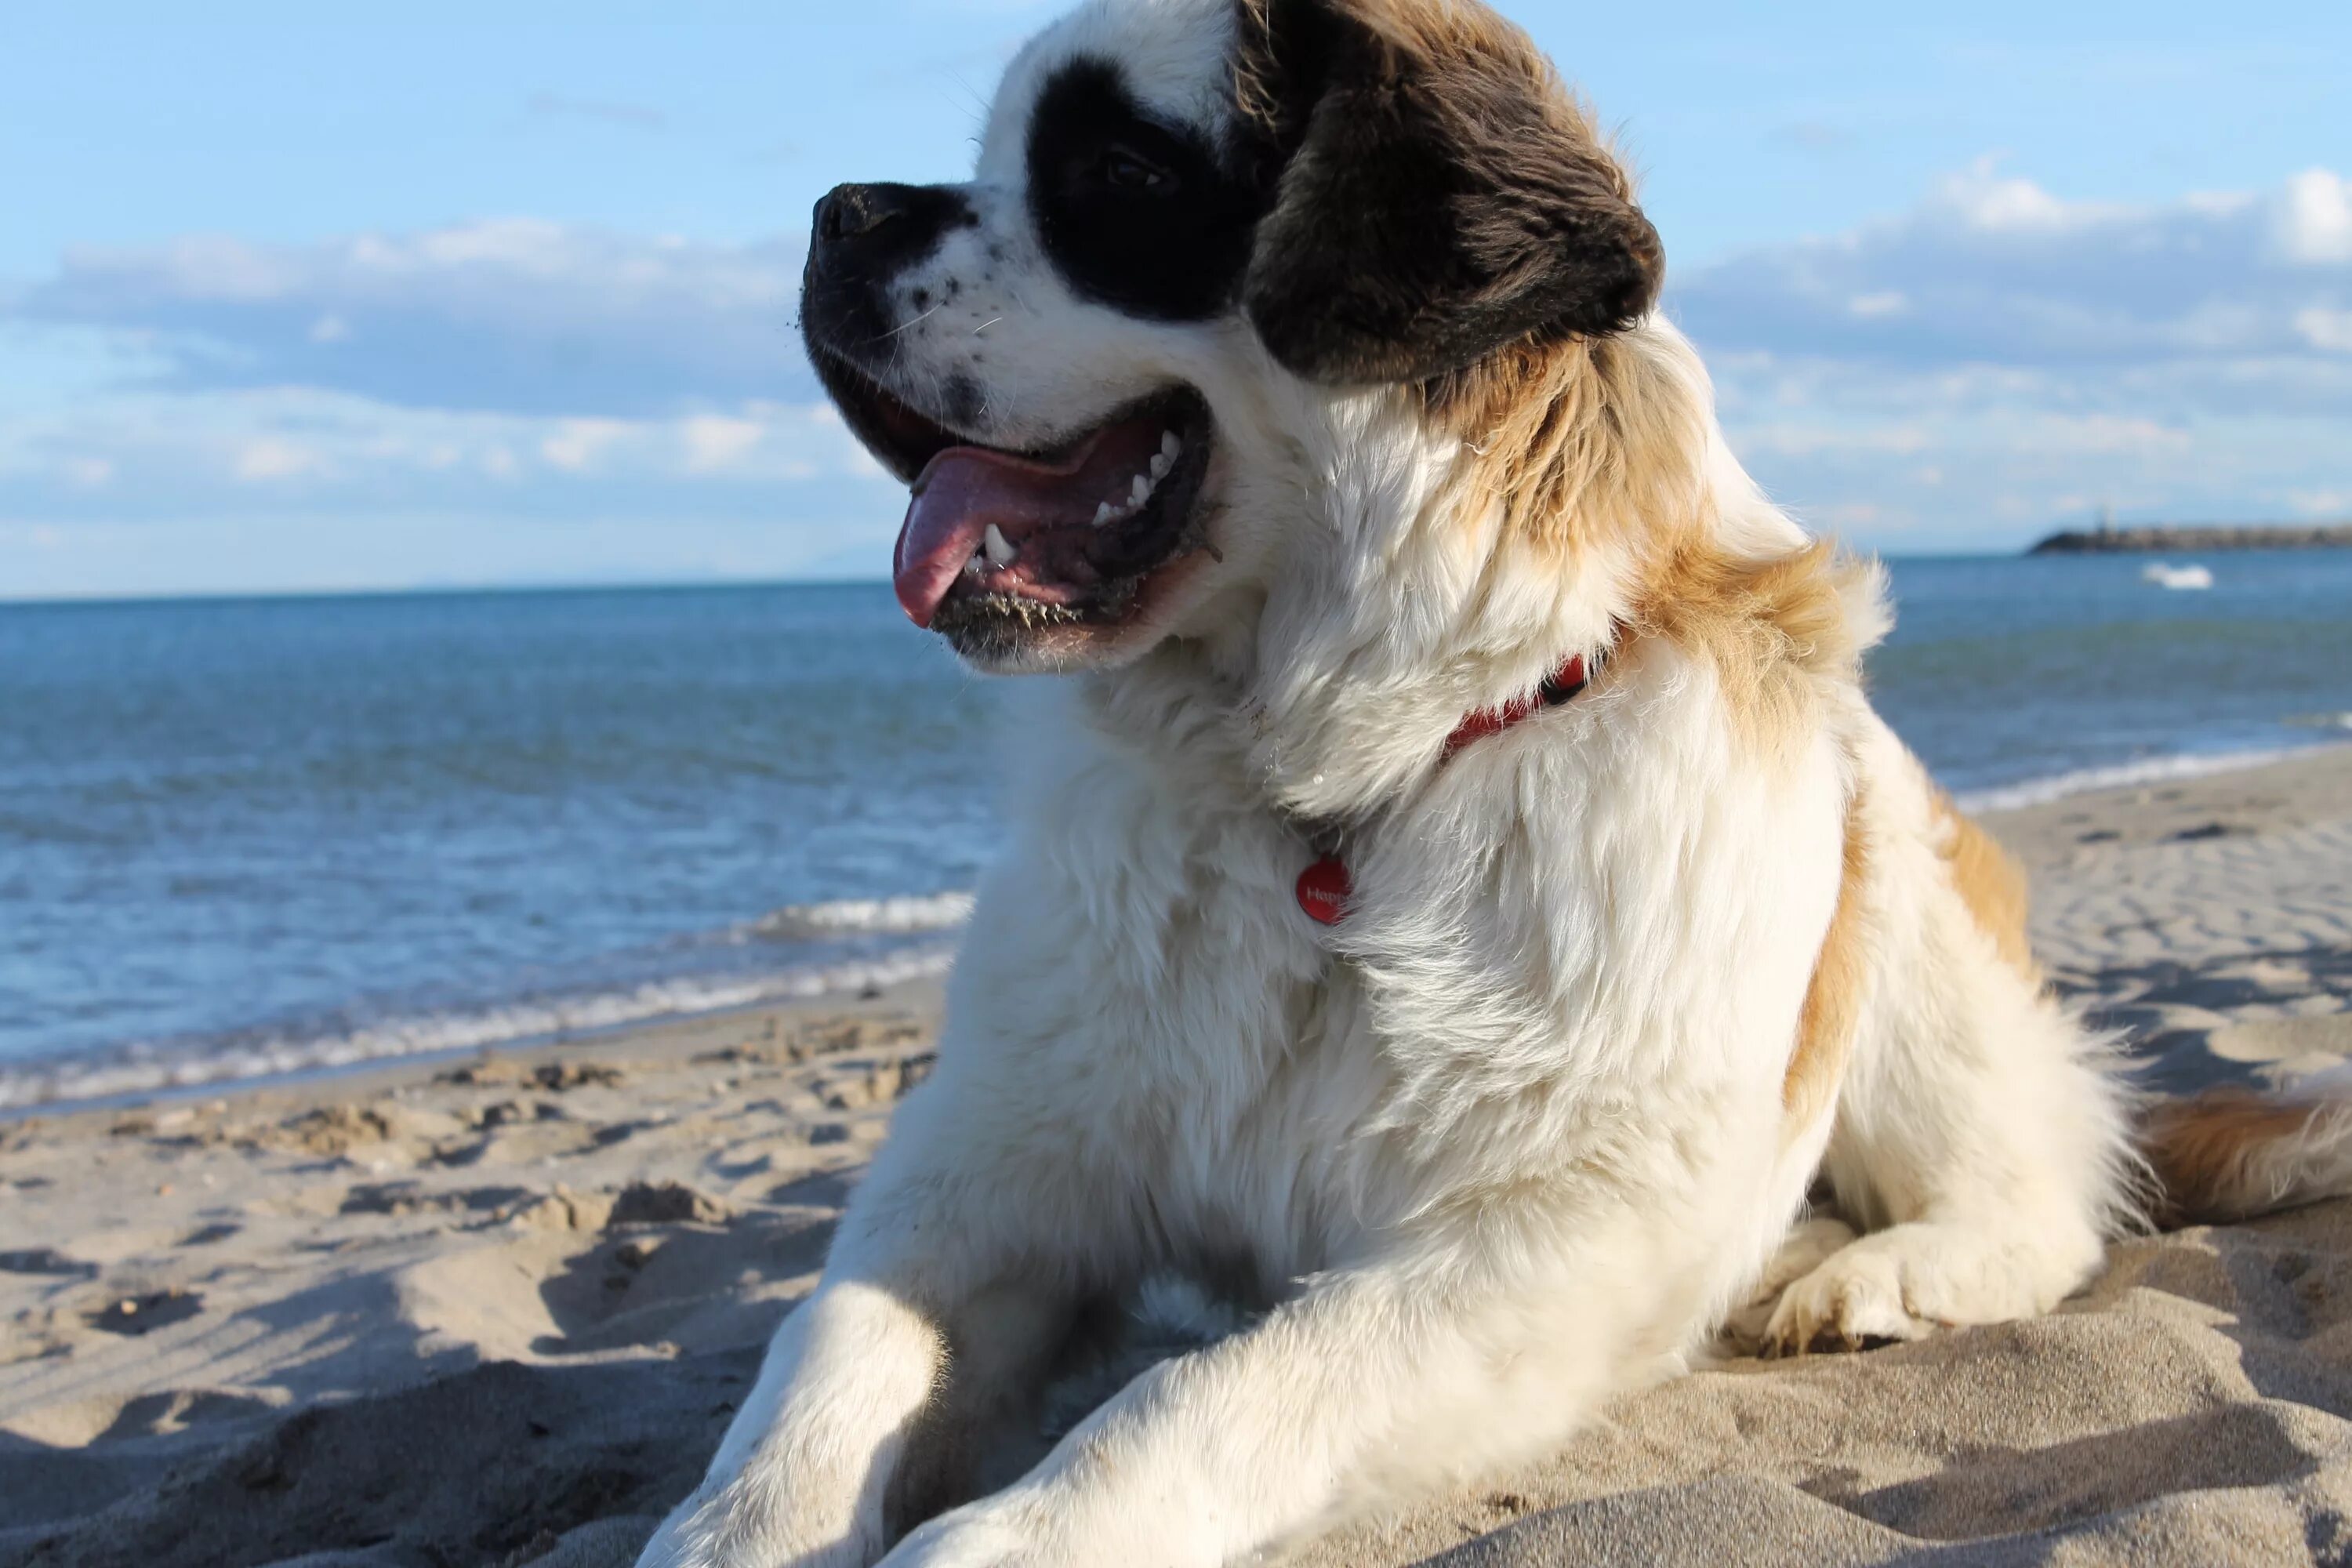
x=1160, y=465
x=975, y=566
x=999, y=549
x=1139, y=492
x=1169, y=446
x=1104, y=513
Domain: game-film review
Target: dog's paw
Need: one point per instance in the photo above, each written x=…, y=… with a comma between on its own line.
x=1855, y=1299
x=1905, y=1282
x=1805, y=1250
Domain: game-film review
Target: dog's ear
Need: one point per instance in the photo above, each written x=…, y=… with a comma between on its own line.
x=1439, y=195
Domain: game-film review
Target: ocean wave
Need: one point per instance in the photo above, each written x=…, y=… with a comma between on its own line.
x=2121, y=775
x=144, y=1070
x=865, y=917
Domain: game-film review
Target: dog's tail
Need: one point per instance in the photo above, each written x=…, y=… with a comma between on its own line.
x=2233, y=1153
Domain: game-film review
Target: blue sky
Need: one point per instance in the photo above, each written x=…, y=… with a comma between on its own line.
x=370, y=295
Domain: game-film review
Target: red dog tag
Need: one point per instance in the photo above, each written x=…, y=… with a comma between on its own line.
x=1323, y=890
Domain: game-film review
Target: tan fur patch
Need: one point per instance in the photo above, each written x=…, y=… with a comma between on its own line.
x=1598, y=445
x=1774, y=631
x=2199, y=1152
x=1990, y=883
x=1576, y=442
x=1833, y=1009
x=1594, y=442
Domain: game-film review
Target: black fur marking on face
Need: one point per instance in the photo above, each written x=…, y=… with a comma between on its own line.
x=1134, y=213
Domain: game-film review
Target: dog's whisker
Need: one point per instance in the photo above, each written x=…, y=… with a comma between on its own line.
x=913, y=321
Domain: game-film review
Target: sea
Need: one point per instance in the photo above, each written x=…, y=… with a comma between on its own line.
x=244, y=839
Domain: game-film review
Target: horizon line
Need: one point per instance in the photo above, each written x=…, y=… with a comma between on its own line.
x=617, y=585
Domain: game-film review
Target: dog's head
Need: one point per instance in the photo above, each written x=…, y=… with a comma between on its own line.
x=1199, y=233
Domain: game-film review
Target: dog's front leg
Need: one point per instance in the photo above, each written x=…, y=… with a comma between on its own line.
x=874, y=1391
x=1378, y=1381
x=800, y=1477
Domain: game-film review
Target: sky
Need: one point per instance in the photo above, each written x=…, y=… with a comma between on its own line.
x=302, y=296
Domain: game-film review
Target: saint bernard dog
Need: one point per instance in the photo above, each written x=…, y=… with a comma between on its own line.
x=1456, y=901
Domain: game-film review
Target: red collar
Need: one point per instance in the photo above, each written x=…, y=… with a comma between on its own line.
x=1325, y=886
x=1559, y=687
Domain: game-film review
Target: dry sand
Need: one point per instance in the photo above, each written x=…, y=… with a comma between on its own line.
x=497, y=1313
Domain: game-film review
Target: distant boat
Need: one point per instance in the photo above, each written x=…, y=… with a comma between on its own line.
x=2164, y=574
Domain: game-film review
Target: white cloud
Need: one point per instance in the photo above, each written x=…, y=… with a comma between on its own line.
x=575, y=443
x=1995, y=271
x=2326, y=329
x=164, y=454
x=2314, y=218
x=271, y=458
x=1981, y=199
x=716, y=442
x=1798, y=438
x=511, y=314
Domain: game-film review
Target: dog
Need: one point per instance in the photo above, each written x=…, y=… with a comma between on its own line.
x=1456, y=900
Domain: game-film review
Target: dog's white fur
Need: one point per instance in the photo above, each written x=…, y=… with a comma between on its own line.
x=1510, y=1137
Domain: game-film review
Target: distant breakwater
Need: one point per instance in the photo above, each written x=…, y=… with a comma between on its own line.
x=2186, y=538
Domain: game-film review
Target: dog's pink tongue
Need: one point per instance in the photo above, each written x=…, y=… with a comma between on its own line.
x=964, y=489
x=958, y=495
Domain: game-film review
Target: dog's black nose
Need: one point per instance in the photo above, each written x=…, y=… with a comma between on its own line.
x=849, y=213
x=883, y=224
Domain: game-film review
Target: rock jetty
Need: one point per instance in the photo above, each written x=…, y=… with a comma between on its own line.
x=2183, y=539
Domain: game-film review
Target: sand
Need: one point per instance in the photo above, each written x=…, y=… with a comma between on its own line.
x=496, y=1312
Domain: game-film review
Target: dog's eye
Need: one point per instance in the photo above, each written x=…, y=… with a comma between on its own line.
x=1123, y=169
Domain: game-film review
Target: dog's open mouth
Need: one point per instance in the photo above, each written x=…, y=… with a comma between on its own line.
x=996, y=540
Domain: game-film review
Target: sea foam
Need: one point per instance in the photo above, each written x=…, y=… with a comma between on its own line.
x=147, y=1069
x=2122, y=775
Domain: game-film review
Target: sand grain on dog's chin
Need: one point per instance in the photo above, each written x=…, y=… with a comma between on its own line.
x=1060, y=646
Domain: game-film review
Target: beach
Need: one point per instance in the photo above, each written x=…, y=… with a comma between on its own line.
x=497, y=1309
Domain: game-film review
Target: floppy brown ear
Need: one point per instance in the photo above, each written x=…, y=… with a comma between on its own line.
x=1442, y=197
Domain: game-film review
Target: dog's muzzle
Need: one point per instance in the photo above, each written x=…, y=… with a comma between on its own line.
x=860, y=240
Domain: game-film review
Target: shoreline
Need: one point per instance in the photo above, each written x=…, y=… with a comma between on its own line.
x=176, y=1080
x=177, y=1077
x=915, y=995
x=2171, y=767
x=665, y=1039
